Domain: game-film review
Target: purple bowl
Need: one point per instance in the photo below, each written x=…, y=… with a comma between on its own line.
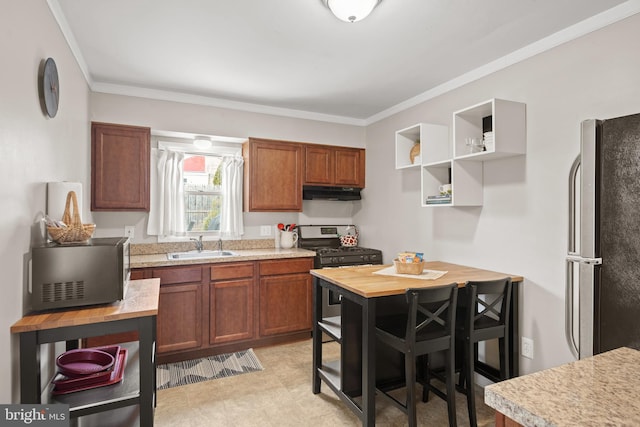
x=84, y=361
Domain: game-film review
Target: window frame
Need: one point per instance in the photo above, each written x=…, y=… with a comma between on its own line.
x=220, y=146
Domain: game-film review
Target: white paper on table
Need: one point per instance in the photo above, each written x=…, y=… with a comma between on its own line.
x=426, y=274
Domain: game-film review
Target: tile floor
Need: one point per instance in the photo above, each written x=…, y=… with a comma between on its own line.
x=281, y=395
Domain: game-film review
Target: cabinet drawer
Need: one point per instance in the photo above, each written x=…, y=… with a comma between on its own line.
x=173, y=275
x=286, y=266
x=234, y=270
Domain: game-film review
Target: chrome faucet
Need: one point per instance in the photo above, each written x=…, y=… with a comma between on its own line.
x=220, y=245
x=198, y=242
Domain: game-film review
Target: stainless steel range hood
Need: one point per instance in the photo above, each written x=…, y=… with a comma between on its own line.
x=313, y=192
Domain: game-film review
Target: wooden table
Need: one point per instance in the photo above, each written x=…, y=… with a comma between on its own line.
x=361, y=290
x=137, y=312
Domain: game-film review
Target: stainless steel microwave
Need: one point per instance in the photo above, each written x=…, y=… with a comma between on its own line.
x=73, y=275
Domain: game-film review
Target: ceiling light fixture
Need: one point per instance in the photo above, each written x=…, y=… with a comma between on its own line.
x=351, y=10
x=202, y=143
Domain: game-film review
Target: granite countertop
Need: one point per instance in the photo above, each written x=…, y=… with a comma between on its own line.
x=160, y=259
x=597, y=391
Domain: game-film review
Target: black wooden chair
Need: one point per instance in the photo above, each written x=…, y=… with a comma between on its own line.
x=428, y=326
x=484, y=316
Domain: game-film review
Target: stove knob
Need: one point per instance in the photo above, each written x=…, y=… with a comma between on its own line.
x=365, y=258
x=341, y=259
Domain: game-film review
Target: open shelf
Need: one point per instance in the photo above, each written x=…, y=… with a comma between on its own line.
x=433, y=176
x=507, y=121
x=434, y=145
x=332, y=327
x=95, y=400
x=330, y=373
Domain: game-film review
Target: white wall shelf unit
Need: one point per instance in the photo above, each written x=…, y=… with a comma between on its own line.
x=433, y=176
x=464, y=176
x=434, y=145
x=508, y=124
x=452, y=162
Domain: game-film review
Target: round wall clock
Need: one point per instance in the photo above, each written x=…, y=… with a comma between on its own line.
x=50, y=88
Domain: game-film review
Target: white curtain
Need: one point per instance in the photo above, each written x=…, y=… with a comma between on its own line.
x=166, y=217
x=231, y=216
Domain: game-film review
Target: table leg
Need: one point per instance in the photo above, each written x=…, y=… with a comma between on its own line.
x=514, y=331
x=369, y=362
x=29, y=368
x=147, y=369
x=317, y=335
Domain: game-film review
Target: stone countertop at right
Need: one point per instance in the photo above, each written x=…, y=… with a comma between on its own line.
x=597, y=391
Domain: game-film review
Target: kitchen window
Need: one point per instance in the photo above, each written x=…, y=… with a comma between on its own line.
x=202, y=192
x=196, y=190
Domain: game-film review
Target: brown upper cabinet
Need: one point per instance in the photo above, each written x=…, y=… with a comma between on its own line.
x=272, y=175
x=334, y=166
x=120, y=166
x=275, y=172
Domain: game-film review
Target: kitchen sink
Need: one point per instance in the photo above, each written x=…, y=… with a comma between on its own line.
x=200, y=254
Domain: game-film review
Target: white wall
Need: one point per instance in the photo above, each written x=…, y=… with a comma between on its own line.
x=522, y=226
x=33, y=150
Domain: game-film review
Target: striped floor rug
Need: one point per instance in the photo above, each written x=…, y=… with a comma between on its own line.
x=208, y=368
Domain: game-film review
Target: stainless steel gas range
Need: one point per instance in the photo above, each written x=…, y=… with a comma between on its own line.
x=330, y=253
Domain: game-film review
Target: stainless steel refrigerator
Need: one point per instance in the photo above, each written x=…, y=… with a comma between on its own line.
x=603, y=261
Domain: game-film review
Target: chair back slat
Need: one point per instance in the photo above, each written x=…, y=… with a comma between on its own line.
x=436, y=307
x=489, y=301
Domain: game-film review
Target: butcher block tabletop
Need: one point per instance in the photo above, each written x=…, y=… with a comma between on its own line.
x=140, y=300
x=363, y=280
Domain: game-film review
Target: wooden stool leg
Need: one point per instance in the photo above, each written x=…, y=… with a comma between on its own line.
x=504, y=357
x=451, y=389
x=469, y=378
x=410, y=374
x=427, y=379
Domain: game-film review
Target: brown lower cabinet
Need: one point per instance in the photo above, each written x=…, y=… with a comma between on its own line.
x=504, y=421
x=208, y=309
x=285, y=296
x=231, y=303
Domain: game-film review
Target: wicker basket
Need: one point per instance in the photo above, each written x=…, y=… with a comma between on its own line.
x=75, y=231
x=409, y=267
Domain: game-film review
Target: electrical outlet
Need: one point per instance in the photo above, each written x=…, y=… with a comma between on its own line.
x=527, y=348
x=129, y=231
x=265, y=230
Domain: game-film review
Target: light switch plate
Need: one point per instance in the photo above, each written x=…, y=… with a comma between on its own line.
x=265, y=230
x=527, y=348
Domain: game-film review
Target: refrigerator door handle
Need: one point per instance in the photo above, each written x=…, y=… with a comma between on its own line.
x=568, y=319
x=573, y=257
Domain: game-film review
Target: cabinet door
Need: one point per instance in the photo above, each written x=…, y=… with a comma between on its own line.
x=120, y=158
x=319, y=165
x=179, y=323
x=231, y=310
x=285, y=304
x=273, y=176
x=350, y=164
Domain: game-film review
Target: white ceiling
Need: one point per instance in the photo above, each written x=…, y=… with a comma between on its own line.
x=293, y=57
